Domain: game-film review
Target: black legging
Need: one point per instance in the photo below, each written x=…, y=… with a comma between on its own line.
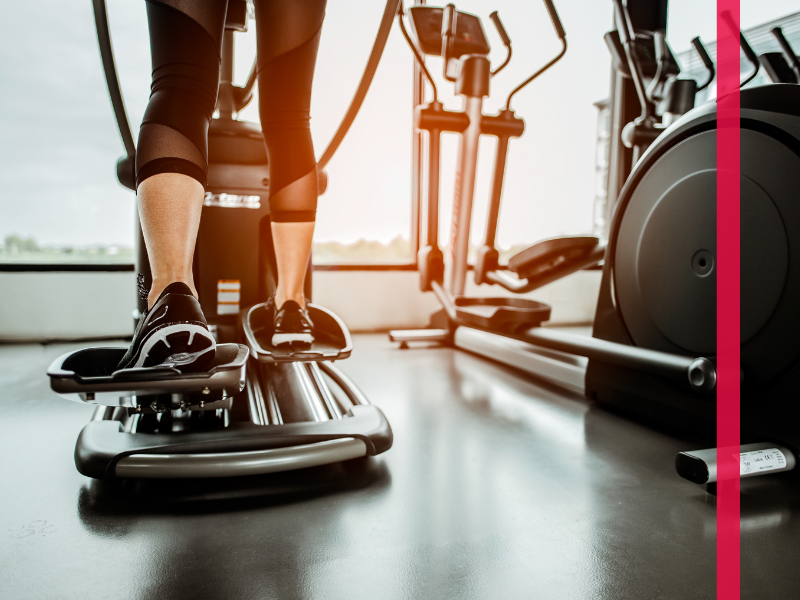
x=186, y=42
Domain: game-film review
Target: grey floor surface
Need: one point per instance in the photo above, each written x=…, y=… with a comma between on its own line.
x=496, y=487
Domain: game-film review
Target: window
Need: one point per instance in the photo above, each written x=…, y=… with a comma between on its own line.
x=61, y=200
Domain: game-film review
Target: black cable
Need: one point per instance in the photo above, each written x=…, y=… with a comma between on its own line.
x=417, y=54
x=110, y=70
x=363, y=86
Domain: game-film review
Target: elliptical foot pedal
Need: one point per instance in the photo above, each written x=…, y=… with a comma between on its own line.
x=500, y=314
x=550, y=254
x=90, y=376
x=332, y=339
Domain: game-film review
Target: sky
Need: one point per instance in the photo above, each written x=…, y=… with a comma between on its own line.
x=59, y=142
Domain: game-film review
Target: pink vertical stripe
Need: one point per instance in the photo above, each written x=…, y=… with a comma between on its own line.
x=728, y=369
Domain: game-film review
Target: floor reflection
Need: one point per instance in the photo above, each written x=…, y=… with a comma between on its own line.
x=497, y=486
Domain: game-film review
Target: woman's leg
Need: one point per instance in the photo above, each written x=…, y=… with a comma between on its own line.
x=171, y=168
x=171, y=160
x=169, y=212
x=288, y=34
x=292, y=250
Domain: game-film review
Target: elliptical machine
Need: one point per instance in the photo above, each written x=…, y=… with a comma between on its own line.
x=653, y=341
x=256, y=409
x=464, y=48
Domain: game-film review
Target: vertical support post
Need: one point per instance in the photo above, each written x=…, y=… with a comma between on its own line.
x=225, y=102
x=497, y=190
x=432, y=200
x=418, y=97
x=464, y=193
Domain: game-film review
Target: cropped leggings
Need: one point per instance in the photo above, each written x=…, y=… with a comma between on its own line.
x=186, y=43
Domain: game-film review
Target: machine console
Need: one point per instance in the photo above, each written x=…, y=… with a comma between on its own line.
x=426, y=23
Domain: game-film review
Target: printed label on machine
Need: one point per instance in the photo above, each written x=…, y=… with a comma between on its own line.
x=228, y=296
x=760, y=461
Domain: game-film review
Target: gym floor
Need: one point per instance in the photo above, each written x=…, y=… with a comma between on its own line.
x=497, y=487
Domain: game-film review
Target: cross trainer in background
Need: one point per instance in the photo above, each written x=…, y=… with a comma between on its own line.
x=653, y=343
x=258, y=406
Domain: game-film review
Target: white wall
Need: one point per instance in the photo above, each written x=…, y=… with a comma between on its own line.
x=54, y=306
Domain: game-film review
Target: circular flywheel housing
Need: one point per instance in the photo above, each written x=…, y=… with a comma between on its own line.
x=666, y=263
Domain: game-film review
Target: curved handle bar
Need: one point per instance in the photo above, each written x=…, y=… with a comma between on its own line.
x=384, y=29
x=788, y=52
x=417, y=54
x=746, y=49
x=551, y=10
x=498, y=24
x=662, y=54
x=449, y=16
x=561, y=35
x=449, y=20
x=626, y=36
x=244, y=95
x=110, y=69
x=707, y=62
x=660, y=45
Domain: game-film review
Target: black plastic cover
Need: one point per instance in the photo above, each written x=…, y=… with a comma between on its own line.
x=426, y=24
x=91, y=375
x=102, y=444
x=777, y=68
x=547, y=254
x=500, y=314
x=691, y=468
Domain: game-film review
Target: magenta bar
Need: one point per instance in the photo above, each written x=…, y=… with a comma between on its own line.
x=728, y=242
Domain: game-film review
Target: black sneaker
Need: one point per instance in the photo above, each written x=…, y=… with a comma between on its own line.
x=174, y=332
x=292, y=325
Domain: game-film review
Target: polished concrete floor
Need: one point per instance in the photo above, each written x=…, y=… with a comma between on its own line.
x=496, y=487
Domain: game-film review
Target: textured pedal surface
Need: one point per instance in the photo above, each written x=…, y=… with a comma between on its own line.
x=91, y=375
x=549, y=253
x=180, y=343
x=332, y=339
x=500, y=313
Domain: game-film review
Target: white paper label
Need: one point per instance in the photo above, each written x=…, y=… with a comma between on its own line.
x=228, y=296
x=760, y=461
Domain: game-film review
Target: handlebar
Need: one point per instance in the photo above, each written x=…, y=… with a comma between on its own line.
x=449, y=16
x=788, y=52
x=707, y=62
x=626, y=36
x=660, y=44
x=417, y=54
x=551, y=10
x=498, y=24
x=746, y=49
x=561, y=36
x=109, y=66
x=243, y=95
x=662, y=56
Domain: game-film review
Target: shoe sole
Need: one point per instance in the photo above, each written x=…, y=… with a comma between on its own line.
x=281, y=339
x=190, y=341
